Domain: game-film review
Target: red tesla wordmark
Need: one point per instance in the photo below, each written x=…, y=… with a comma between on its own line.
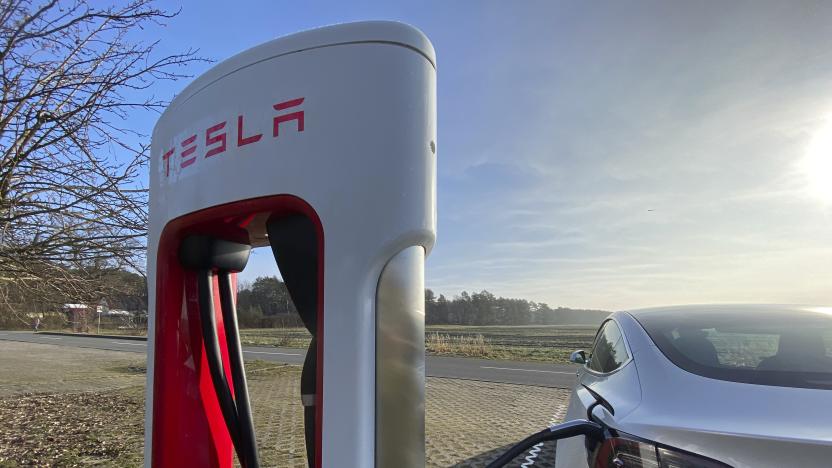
x=241, y=140
x=186, y=143
x=166, y=159
x=216, y=137
x=288, y=117
x=210, y=140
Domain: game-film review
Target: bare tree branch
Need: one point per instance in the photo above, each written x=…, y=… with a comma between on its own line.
x=72, y=200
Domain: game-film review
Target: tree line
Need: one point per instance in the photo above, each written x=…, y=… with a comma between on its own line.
x=484, y=308
x=117, y=289
x=266, y=303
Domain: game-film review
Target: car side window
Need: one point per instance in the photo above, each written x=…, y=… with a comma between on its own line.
x=608, y=352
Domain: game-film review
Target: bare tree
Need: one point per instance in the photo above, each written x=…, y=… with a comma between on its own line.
x=72, y=198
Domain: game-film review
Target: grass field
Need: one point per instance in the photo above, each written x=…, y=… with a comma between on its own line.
x=277, y=337
x=548, y=343
x=517, y=343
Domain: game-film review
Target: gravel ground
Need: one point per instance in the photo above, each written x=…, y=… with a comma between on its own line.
x=76, y=407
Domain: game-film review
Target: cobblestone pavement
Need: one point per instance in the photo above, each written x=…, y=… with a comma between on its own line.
x=278, y=415
x=468, y=423
x=471, y=423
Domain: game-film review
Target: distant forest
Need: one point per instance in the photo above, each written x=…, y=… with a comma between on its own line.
x=266, y=303
x=484, y=308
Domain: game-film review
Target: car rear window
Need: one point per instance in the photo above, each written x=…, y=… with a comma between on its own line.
x=609, y=352
x=790, y=348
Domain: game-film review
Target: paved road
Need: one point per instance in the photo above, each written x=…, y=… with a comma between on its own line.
x=525, y=373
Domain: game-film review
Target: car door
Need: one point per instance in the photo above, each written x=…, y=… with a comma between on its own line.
x=608, y=376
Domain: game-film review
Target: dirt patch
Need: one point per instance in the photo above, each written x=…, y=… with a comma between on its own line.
x=73, y=430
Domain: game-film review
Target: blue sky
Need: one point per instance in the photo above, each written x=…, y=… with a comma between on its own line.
x=606, y=155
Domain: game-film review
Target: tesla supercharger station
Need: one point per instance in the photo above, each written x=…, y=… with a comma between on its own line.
x=320, y=145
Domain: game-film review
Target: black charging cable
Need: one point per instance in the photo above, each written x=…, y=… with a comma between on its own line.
x=212, y=354
x=559, y=431
x=247, y=438
x=206, y=254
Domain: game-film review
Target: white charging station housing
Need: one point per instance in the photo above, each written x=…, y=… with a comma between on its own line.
x=338, y=123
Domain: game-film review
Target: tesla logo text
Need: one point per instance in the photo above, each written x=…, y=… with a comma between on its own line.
x=216, y=136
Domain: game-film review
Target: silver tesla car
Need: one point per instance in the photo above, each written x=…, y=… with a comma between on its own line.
x=705, y=386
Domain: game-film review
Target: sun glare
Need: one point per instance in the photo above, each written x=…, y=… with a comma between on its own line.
x=822, y=310
x=818, y=162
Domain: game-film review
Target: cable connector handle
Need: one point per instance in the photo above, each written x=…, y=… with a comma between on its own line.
x=202, y=252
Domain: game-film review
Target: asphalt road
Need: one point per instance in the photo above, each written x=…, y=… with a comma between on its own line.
x=524, y=373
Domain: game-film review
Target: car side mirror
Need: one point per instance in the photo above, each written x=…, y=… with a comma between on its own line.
x=578, y=357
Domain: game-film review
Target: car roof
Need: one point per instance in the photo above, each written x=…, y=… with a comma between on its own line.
x=727, y=308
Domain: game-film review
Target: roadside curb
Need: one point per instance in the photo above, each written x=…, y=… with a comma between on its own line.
x=90, y=335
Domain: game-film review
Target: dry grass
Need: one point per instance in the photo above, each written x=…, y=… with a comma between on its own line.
x=277, y=337
x=447, y=344
x=513, y=343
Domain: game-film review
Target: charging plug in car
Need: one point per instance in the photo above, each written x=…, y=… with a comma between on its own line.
x=593, y=428
x=207, y=256
x=574, y=428
x=607, y=447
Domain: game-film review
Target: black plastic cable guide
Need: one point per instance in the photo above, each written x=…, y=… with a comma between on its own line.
x=294, y=243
